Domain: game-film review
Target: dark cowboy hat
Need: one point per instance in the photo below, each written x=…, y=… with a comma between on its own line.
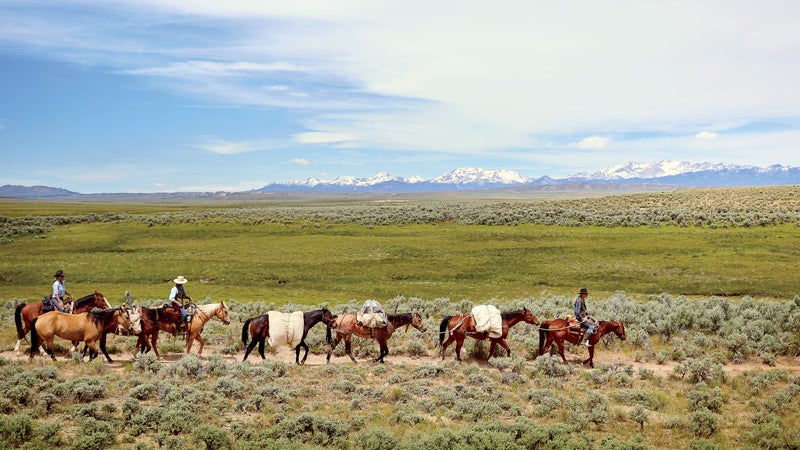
x=59, y=273
x=583, y=291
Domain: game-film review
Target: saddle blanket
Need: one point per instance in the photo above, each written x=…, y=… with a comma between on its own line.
x=487, y=319
x=285, y=328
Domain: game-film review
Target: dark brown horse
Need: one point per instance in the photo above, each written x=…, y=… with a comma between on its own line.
x=347, y=326
x=558, y=331
x=25, y=313
x=460, y=326
x=257, y=328
x=88, y=327
x=164, y=318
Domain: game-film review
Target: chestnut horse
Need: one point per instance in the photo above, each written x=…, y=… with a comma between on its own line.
x=203, y=314
x=25, y=313
x=558, y=331
x=88, y=327
x=166, y=318
x=460, y=326
x=347, y=326
x=257, y=328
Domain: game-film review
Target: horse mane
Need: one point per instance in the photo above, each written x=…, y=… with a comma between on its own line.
x=83, y=301
x=510, y=314
x=102, y=315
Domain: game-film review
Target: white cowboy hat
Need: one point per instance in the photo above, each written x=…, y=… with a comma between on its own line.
x=180, y=280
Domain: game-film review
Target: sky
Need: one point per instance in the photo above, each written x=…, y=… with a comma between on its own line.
x=201, y=95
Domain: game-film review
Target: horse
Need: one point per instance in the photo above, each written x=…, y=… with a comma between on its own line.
x=558, y=331
x=347, y=326
x=88, y=327
x=155, y=319
x=257, y=328
x=203, y=314
x=460, y=326
x=25, y=313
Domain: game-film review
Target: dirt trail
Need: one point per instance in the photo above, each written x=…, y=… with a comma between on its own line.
x=287, y=355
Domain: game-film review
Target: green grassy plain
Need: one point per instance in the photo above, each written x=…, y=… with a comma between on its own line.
x=337, y=262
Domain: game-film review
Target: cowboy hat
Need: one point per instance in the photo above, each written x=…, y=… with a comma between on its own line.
x=60, y=273
x=180, y=280
x=583, y=291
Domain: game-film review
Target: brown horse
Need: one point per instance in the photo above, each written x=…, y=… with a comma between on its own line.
x=460, y=326
x=558, y=331
x=203, y=314
x=347, y=326
x=164, y=318
x=25, y=313
x=88, y=327
x=257, y=328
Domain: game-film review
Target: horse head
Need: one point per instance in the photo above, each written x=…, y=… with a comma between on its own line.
x=416, y=321
x=620, y=330
x=528, y=317
x=328, y=318
x=124, y=320
x=100, y=301
x=222, y=313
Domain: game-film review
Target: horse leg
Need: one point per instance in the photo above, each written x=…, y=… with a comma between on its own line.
x=447, y=343
x=560, y=345
x=459, y=344
x=297, y=353
x=153, y=339
x=590, y=359
x=249, y=349
x=348, y=348
x=202, y=344
x=333, y=346
x=103, y=348
x=504, y=344
x=383, y=352
x=262, y=343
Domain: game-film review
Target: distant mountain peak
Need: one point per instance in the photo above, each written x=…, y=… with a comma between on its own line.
x=477, y=176
x=658, y=169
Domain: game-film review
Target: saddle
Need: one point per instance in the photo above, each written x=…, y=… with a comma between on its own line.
x=47, y=304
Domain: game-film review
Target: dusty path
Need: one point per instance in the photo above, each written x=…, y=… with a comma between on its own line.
x=287, y=355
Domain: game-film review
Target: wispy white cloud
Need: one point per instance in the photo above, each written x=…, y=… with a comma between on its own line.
x=320, y=137
x=225, y=147
x=193, y=69
x=706, y=135
x=301, y=161
x=594, y=142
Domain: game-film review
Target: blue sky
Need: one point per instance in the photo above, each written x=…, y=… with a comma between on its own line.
x=197, y=95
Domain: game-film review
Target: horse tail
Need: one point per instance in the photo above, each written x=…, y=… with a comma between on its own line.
x=34, y=337
x=246, y=331
x=18, y=320
x=543, y=329
x=443, y=329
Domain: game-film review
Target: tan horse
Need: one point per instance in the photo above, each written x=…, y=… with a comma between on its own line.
x=558, y=331
x=346, y=326
x=203, y=314
x=460, y=326
x=88, y=327
x=26, y=312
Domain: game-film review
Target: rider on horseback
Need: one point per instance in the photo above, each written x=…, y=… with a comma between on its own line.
x=583, y=317
x=61, y=299
x=176, y=297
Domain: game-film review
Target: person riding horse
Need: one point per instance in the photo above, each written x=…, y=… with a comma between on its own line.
x=176, y=296
x=583, y=317
x=61, y=299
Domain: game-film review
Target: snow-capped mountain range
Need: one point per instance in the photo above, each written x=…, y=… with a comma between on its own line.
x=681, y=173
x=654, y=174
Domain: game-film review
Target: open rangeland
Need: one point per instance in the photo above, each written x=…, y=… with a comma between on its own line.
x=704, y=281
